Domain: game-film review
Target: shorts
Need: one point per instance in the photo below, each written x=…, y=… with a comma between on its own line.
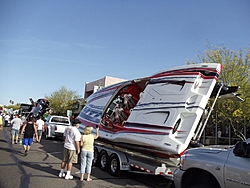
x=70, y=156
x=27, y=141
x=14, y=132
x=39, y=132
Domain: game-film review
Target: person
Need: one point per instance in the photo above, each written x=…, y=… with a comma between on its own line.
x=40, y=127
x=219, y=134
x=1, y=122
x=15, y=128
x=87, y=142
x=23, y=118
x=11, y=114
x=72, y=137
x=6, y=120
x=29, y=128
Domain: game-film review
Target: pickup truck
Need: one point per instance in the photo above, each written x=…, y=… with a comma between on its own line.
x=215, y=167
x=54, y=126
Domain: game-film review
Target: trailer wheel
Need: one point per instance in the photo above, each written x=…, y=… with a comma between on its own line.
x=104, y=161
x=114, y=165
x=95, y=161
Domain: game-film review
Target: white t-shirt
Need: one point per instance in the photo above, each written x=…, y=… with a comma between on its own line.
x=71, y=134
x=40, y=124
x=16, y=123
x=7, y=118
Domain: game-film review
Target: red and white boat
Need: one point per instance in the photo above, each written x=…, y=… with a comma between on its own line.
x=160, y=114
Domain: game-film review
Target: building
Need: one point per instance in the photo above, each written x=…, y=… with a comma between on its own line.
x=91, y=87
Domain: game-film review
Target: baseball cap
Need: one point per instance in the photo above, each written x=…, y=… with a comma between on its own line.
x=76, y=121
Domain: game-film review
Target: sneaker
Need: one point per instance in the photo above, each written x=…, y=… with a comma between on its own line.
x=61, y=175
x=25, y=153
x=68, y=177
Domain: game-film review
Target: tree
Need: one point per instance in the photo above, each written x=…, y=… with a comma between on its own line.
x=13, y=106
x=62, y=100
x=236, y=71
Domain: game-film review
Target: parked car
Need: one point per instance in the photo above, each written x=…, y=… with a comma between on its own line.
x=215, y=167
x=54, y=126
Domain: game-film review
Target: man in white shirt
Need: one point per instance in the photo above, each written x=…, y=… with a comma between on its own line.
x=6, y=120
x=72, y=137
x=40, y=127
x=15, y=129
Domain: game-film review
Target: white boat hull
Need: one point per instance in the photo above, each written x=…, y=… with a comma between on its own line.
x=162, y=115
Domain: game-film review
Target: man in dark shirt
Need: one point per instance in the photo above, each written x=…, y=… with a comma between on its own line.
x=29, y=128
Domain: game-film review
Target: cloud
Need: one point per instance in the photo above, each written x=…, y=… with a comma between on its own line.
x=25, y=45
x=86, y=46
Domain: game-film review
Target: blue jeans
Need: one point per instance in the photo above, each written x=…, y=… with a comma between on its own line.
x=86, y=161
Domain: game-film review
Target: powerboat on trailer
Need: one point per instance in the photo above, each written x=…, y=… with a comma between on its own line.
x=36, y=109
x=160, y=114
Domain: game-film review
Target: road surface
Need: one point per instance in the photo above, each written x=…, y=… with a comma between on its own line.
x=41, y=167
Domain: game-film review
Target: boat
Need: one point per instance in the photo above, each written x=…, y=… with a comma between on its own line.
x=160, y=114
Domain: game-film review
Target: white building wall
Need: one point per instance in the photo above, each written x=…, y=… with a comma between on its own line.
x=91, y=87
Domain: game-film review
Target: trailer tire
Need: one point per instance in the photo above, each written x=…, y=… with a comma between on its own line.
x=96, y=159
x=114, y=165
x=104, y=160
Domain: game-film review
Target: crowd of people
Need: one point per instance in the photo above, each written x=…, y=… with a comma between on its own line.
x=26, y=130
x=5, y=119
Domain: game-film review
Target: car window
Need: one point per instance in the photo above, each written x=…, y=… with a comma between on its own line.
x=60, y=120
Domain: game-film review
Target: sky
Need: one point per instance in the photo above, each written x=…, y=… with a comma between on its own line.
x=46, y=45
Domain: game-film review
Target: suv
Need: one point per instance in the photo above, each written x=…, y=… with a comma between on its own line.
x=215, y=167
x=54, y=126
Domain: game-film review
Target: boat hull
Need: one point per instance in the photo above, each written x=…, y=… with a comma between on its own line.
x=157, y=114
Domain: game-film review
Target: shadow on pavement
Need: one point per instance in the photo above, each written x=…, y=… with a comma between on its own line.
x=1, y=140
x=36, y=166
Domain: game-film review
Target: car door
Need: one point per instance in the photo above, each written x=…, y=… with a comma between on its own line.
x=237, y=171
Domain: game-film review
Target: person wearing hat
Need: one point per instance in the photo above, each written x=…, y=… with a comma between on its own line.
x=72, y=137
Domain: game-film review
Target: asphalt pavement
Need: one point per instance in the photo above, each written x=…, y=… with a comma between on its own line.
x=40, y=168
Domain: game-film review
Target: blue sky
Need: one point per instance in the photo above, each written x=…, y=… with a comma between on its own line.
x=46, y=44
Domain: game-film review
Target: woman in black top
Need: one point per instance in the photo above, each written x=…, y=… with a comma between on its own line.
x=29, y=128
